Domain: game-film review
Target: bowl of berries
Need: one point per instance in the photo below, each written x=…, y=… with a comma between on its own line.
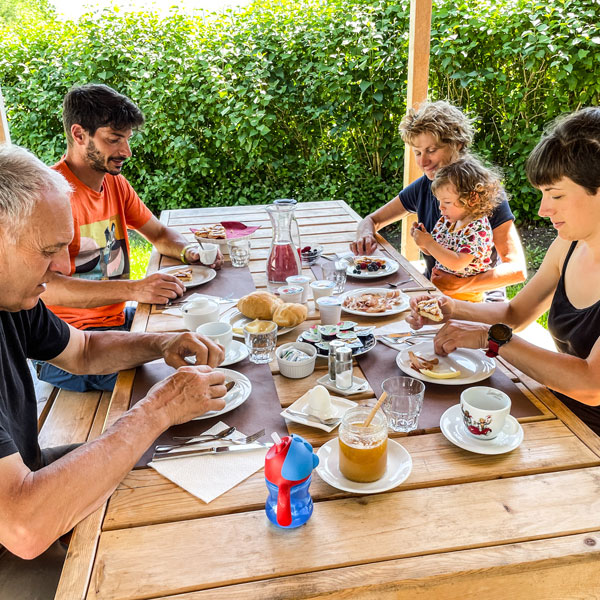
x=310, y=254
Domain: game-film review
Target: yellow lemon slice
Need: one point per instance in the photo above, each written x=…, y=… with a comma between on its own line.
x=441, y=374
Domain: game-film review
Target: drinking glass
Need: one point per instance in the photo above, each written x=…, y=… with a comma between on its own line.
x=336, y=271
x=403, y=403
x=239, y=252
x=261, y=340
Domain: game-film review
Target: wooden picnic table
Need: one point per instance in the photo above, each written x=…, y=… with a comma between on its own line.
x=525, y=524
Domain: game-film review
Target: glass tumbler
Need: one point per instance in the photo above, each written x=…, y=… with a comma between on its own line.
x=363, y=450
x=261, y=340
x=403, y=403
x=239, y=252
x=335, y=271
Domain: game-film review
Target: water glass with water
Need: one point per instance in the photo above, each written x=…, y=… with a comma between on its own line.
x=239, y=252
x=403, y=403
x=261, y=340
x=336, y=271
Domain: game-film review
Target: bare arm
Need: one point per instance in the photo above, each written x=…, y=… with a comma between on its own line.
x=456, y=261
x=512, y=269
x=100, y=352
x=37, y=507
x=365, y=234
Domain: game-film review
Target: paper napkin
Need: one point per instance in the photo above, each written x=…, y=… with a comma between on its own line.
x=209, y=476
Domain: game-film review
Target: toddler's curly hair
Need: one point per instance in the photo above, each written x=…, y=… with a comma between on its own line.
x=479, y=188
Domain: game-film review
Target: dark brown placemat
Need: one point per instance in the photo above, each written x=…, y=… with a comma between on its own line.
x=380, y=363
x=401, y=277
x=236, y=280
x=260, y=410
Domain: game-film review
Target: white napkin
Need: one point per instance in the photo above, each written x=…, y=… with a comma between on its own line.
x=210, y=475
x=401, y=327
x=176, y=310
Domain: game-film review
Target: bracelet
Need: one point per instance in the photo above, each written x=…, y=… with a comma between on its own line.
x=184, y=250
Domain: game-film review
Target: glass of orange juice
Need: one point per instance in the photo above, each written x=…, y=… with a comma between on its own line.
x=363, y=450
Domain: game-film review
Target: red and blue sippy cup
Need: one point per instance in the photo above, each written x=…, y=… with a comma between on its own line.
x=288, y=467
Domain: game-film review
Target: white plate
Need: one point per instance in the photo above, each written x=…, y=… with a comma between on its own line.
x=237, y=351
x=238, y=394
x=473, y=365
x=398, y=308
x=371, y=343
x=338, y=407
x=236, y=319
x=453, y=428
x=399, y=466
x=359, y=386
x=391, y=266
x=200, y=274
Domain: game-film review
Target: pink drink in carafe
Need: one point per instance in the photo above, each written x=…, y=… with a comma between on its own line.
x=282, y=263
x=283, y=260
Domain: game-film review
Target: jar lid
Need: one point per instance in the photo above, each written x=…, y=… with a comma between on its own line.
x=343, y=353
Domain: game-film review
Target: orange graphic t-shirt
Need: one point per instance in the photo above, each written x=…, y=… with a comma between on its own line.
x=100, y=246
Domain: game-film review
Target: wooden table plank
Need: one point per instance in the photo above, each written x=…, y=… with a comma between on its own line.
x=146, y=497
x=130, y=562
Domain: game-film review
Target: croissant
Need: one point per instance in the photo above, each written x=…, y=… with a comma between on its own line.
x=259, y=305
x=290, y=315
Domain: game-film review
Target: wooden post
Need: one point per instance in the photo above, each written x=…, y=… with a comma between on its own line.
x=4, y=133
x=418, y=77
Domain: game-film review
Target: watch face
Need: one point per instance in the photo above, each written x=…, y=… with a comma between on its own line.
x=500, y=332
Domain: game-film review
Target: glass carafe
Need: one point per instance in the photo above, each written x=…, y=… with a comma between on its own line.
x=284, y=259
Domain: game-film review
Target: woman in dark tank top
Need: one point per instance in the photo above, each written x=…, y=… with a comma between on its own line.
x=565, y=166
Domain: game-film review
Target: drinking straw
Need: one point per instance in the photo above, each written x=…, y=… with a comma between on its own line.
x=375, y=409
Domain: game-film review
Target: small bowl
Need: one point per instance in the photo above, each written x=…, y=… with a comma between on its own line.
x=311, y=259
x=296, y=370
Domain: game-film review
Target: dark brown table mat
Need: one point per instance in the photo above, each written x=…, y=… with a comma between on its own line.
x=401, y=277
x=380, y=363
x=260, y=410
x=229, y=279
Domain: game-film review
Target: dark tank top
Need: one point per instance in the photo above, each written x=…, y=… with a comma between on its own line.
x=575, y=331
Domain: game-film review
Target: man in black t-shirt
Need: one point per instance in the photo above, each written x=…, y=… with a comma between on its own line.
x=39, y=499
x=439, y=134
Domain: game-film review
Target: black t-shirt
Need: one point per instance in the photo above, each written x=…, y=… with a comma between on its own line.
x=418, y=198
x=37, y=334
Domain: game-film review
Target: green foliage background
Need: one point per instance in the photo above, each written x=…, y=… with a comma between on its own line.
x=302, y=98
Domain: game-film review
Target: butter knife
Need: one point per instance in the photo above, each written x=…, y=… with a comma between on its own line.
x=213, y=450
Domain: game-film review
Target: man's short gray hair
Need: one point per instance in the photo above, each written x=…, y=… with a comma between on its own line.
x=24, y=180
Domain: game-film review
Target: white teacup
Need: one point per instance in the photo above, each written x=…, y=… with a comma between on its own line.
x=484, y=411
x=197, y=312
x=322, y=287
x=208, y=253
x=219, y=332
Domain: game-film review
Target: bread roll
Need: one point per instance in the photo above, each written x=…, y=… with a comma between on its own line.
x=290, y=315
x=258, y=305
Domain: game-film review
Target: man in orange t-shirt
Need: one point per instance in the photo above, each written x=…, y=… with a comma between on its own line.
x=98, y=124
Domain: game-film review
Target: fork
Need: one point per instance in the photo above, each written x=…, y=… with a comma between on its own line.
x=245, y=440
x=195, y=439
x=327, y=422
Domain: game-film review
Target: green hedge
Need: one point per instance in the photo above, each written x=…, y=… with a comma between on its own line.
x=302, y=99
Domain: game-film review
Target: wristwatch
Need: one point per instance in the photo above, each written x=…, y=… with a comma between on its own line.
x=498, y=335
x=184, y=250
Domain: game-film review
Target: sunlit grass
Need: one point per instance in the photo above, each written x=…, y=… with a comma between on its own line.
x=140, y=250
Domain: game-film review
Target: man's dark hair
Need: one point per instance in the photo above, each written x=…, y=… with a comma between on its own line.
x=96, y=105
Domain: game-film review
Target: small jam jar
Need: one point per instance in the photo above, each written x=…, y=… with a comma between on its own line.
x=363, y=450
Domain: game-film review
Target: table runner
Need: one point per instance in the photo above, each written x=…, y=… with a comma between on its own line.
x=400, y=277
x=380, y=363
x=260, y=410
x=229, y=279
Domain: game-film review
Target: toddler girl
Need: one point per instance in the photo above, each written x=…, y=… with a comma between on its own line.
x=462, y=241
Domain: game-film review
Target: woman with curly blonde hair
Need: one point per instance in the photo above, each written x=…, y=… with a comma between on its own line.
x=462, y=240
x=439, y=134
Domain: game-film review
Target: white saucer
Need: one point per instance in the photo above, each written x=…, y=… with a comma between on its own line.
x=359, y=386
x=237, y=395
x=237, y=351
x=338, y=408
x=399, y=466
x=453, y=428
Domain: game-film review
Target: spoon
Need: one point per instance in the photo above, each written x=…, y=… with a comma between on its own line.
x=326, y=422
